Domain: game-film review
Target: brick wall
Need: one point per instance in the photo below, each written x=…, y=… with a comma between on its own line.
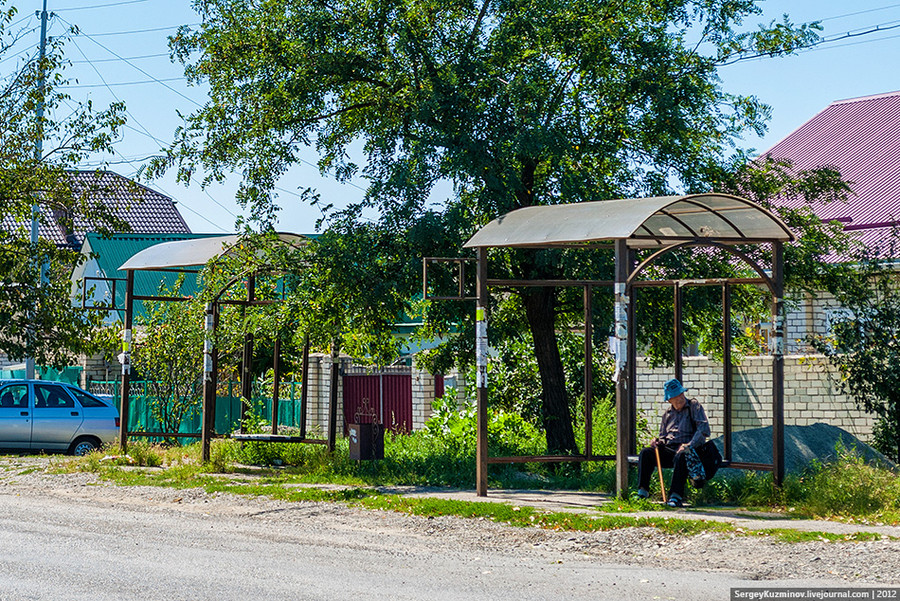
x=809, y=394
x=807, y=314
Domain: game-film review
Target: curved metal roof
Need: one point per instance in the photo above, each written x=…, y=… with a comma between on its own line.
x=644, y=222
x=190, y=253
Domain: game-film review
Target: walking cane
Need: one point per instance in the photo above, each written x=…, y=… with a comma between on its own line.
x=662, y=486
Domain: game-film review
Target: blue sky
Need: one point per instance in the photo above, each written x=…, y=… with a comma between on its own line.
x=121, y=54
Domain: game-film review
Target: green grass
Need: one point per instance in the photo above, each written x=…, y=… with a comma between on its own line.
x=281, y=485
x=790, y=535
x=443, y=455
x=846, y=489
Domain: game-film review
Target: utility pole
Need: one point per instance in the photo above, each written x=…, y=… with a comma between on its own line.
x=38, y=153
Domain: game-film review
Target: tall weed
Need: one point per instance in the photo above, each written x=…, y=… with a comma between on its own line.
x=845, y=487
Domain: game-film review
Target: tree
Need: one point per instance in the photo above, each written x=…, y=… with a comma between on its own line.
x=863, y=341
x=516, y=102
x=39, y=321
x=168, y=356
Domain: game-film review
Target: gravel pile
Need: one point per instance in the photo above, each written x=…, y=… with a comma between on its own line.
x=802, y=446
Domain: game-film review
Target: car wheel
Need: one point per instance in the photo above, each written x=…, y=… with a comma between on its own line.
x=83, y=446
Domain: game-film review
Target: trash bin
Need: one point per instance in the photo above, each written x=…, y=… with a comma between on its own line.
x=366, y=441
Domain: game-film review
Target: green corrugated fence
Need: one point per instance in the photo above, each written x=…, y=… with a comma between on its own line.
x=228, y=405
x=69, y=375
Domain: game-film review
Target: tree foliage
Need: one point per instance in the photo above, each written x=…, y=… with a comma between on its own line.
x=863, y=340
x=39, y=321
x=515, y=102
x=168, y=355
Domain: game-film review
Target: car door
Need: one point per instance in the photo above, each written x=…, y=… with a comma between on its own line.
x=15, y=417
x=56, y=417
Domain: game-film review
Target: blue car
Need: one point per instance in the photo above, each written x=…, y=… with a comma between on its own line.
x=51, y=416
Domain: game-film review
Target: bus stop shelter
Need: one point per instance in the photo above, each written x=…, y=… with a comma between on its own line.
x=190, y=256
x=659, y=225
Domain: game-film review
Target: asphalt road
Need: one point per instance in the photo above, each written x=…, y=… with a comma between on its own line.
x=88, y=543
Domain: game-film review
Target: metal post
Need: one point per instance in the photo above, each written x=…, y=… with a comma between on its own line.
x=778, y=362
x=631, y=386
x=678, y=335
x=726, y=366
x=215, y=374
x=621, y=369
x=209, y=384
x=333, y=396
x=247, y=357
x=276, y=374
x=38, y=156
x=125, y=359
x=381, y=396
x=588, y=371
x=481, y=390
x=304, y=387
x=461, y=290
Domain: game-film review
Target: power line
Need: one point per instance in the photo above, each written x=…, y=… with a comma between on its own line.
x=118, y=56
x=103, y=79
x=128, y=58
x=139, y=124
x=120, y=83
x=890, y=37
x=134, y=31
x=887, y=26
x=28, y=57
x=111, y=4
x=861, y=12
x=182, y=203
x=22, y=19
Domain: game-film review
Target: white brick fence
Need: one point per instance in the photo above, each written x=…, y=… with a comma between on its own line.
x=809, y=394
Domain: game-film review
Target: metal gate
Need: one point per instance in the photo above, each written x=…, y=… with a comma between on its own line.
x=387, y=393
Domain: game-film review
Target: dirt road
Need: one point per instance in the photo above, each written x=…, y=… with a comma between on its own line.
x=73, y=537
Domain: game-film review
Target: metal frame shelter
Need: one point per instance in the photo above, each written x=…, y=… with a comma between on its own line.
x=661, y=223
x=180, y=257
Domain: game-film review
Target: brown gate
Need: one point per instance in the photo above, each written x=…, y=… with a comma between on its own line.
x=386, y=393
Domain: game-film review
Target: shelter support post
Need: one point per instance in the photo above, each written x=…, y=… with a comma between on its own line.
x=276, y=375
x=677, y=335
x=588, y=371
x=304, y=387
x=247, y=358
x=481, y=356
x=621, y=368
x=778, y=362
x=631, y=361
x=726, y=366
x=333, y=395
x=126, y=362
x=209, y=380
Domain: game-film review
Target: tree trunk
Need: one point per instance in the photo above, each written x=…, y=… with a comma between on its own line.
x=540, y=310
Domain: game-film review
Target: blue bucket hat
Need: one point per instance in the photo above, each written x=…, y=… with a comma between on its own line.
x=673, y=388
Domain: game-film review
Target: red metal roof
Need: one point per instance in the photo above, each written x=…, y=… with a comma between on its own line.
x=860, y=137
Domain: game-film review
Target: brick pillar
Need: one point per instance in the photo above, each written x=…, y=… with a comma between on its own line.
x=422, y=397
x=94, y=367
x=314, y=424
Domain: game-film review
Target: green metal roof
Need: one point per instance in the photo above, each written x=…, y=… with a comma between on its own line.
x=117, y=249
